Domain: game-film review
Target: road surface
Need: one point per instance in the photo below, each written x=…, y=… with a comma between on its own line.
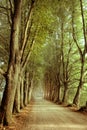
x=44, y=115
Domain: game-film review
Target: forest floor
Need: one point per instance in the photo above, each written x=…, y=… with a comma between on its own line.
x=44, y=115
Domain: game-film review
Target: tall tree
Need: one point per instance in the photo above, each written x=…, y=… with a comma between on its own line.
x=82, y=57
x=13, y=66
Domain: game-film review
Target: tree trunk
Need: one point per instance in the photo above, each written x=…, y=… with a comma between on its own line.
x=17, y=98
x=26, y=88
x=64, y=99
x=58, y=87
x=58, y=96
x=29, y=87
x=30, y=94
x=22, y=93
x=77, y=95
x=13, y=67
x=9, y=95
x=55, y=94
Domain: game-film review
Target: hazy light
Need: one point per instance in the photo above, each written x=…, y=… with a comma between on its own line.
x=82, y=41
x=86, y=55
x=38, y=93
x=1, y=63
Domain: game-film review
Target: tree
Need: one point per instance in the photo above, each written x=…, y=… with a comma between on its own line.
x=82, y=56
x=13, y=66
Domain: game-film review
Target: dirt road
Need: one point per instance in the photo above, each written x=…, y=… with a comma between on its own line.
x=44, y=115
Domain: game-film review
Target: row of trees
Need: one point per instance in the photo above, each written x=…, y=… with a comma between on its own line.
x=66, y=74
x=21, y=23
x=16, y=93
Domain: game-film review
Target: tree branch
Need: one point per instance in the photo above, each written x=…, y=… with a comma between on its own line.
x=8, y=11
x=28, y=55
x=30, y=50
x=10, y=4
x=84, y=28
x=26, y=41
x=27, y=27
x=11, y=9
x=74, y=37
x=5, y=8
